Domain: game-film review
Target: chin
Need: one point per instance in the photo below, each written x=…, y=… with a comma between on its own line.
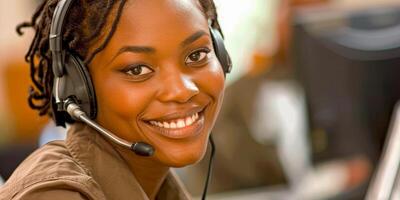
x=179, y=164
x=184, y=159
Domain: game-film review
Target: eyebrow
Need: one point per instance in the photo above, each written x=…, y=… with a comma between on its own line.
x=147, y=49
x=137, y=49
x=193, y=37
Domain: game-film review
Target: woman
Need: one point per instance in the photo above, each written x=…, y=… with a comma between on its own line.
x=157, y=81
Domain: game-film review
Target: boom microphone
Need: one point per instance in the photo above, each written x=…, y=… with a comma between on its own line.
x=140, y=148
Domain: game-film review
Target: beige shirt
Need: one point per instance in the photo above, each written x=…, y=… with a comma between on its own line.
x=85, y=166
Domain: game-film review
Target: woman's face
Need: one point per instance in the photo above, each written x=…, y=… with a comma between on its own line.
x=159, y=81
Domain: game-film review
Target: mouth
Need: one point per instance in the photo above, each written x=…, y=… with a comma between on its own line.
x=178, y=127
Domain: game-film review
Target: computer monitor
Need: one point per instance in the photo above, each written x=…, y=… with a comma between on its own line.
x=348, y=61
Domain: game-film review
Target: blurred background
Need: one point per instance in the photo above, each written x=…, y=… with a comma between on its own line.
x=307, y=106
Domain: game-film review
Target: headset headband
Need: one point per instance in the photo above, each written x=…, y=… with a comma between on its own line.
x=55, y=39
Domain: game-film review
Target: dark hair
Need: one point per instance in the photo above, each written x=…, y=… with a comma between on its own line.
x=86, y=21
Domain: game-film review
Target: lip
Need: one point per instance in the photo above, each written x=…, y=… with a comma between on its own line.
x=178, y=133
x=176, y=115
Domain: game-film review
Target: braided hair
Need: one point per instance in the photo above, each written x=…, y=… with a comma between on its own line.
x=86, y=24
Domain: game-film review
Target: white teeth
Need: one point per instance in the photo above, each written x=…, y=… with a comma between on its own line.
x=166, y=125
x=195, y=116
x=172, y=125
x=179, y=123
x=188, y=121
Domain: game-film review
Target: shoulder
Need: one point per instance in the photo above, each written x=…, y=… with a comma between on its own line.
x=48, y=172
x=60, y=189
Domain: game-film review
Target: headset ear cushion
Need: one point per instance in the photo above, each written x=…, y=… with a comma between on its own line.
x=77, y=84
x=220, y=50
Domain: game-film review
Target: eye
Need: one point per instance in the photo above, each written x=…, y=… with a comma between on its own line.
x=198, y=56
x=138, y=70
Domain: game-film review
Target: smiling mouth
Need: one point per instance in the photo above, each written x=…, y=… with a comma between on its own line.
x=177, y=123
x=179, y=128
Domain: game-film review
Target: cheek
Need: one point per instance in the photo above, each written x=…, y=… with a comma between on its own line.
x=213, y=82
x=122, y=99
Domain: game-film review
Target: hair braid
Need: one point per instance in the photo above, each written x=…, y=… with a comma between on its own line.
x=101, y=24
x=210, y=10
x=76, y=28
x=113, y=28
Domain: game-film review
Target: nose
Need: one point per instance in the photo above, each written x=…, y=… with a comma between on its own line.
x=177, y=88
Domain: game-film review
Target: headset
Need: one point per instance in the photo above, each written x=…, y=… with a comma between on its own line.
x=73, y=95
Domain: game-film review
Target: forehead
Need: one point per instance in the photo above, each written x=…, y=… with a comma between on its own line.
x=144, y=20
x=160, y=24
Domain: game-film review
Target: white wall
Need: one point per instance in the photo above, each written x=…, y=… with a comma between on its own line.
x=247, y=24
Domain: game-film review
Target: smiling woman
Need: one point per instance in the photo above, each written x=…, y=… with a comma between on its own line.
x=150, y=72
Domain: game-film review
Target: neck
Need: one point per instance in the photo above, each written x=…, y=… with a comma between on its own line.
x=148, y=173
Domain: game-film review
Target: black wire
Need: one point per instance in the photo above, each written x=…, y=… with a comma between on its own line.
x=209, y=168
